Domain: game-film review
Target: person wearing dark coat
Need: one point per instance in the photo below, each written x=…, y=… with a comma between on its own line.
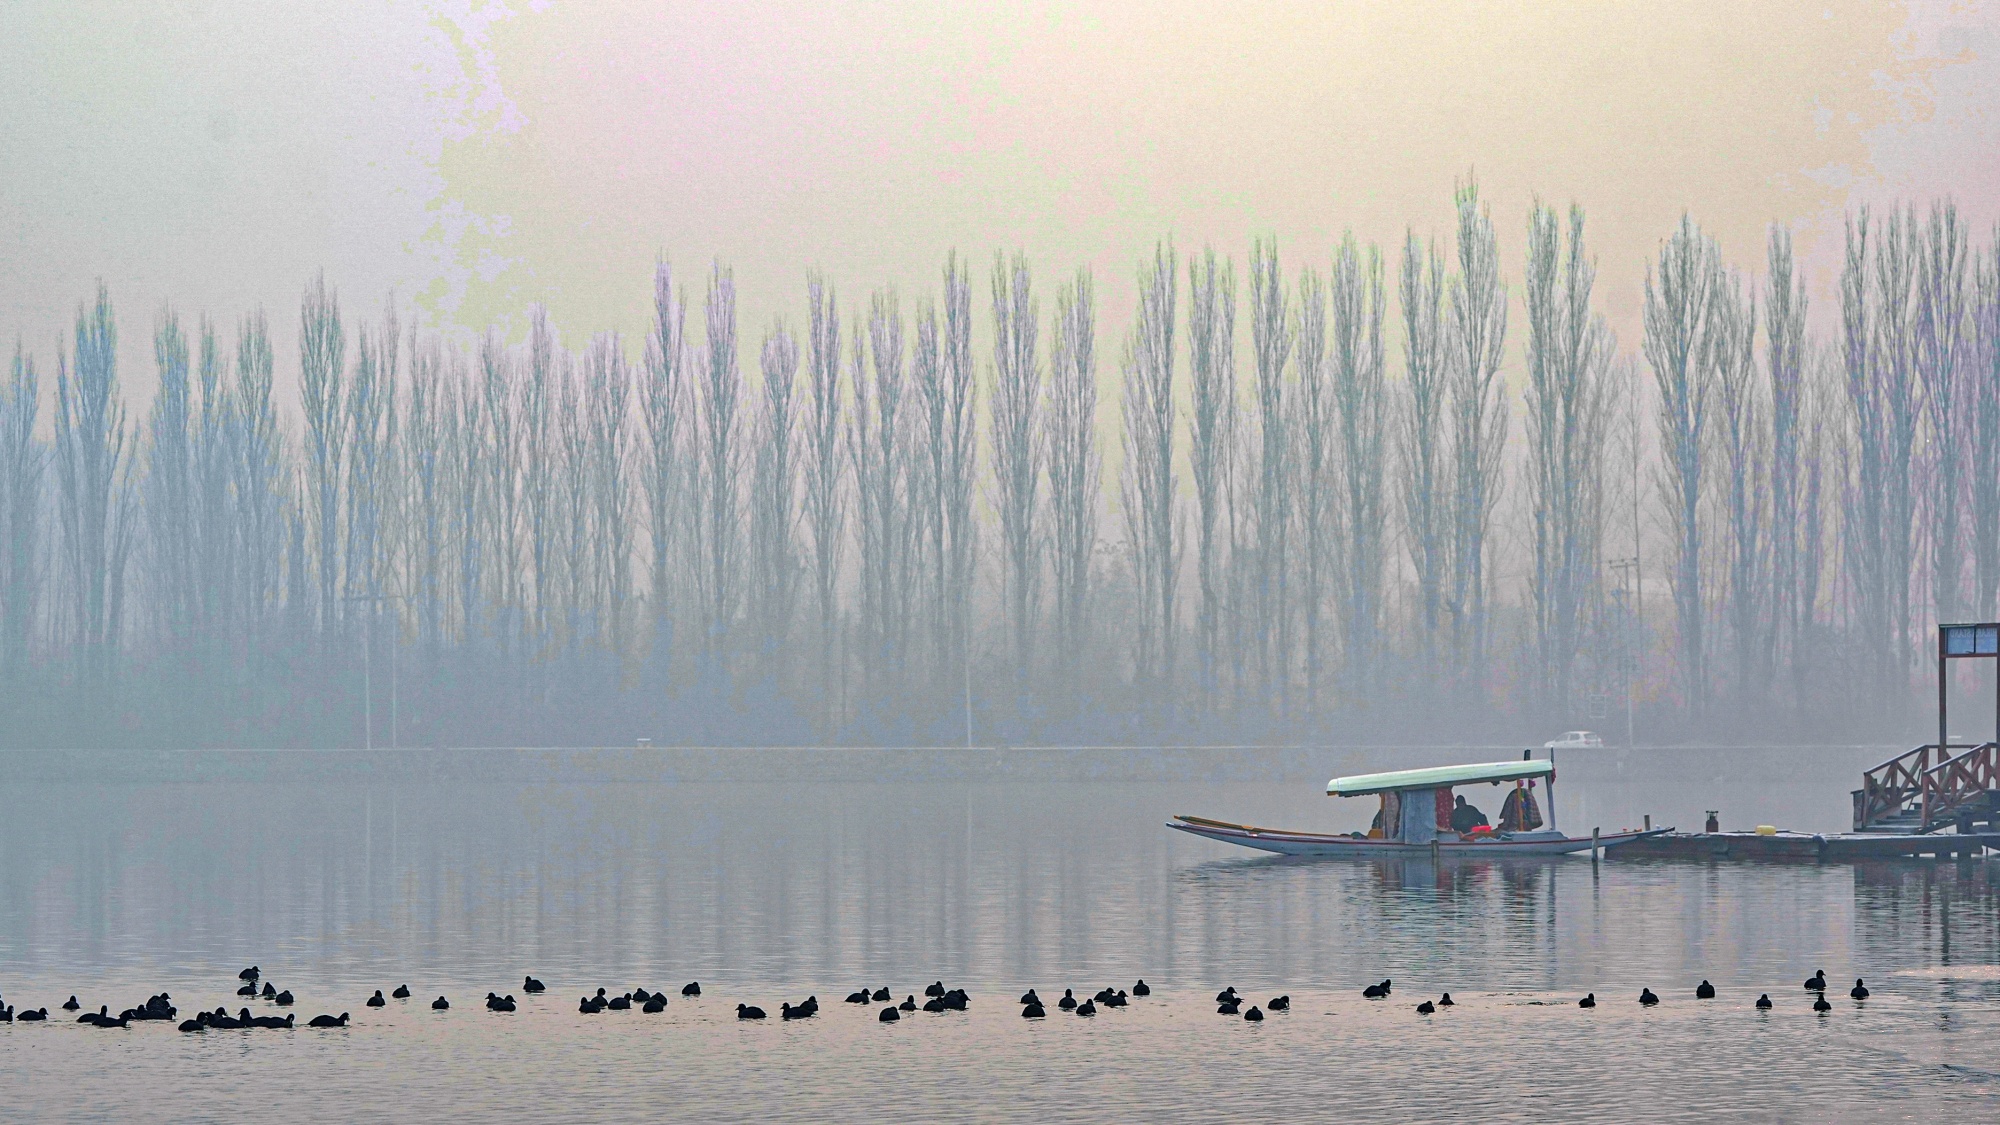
x=1466, y=816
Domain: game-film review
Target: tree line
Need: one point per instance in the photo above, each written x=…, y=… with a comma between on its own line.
x=1380, y=516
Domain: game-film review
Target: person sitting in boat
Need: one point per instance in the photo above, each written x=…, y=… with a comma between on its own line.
x=1388, y=819
x=1519, y=813
x=1466, y=816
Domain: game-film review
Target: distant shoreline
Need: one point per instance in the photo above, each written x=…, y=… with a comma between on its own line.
x=670, y=764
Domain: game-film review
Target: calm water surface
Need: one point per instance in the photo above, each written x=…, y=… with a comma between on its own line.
x=770, y=891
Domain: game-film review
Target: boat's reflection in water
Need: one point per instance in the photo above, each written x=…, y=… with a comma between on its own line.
x=1515, y=878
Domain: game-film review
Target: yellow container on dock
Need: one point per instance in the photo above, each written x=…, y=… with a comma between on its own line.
x=1767, y=830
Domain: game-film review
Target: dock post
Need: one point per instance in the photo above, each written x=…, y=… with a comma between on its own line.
x=1593, y=847
x=1649, y=822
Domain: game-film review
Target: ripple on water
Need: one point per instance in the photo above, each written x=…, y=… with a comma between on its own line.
x=767, y=893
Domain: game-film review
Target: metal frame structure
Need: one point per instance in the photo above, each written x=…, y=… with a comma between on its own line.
x=1965, y=641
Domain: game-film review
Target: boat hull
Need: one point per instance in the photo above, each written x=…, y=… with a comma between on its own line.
x=1497, y=846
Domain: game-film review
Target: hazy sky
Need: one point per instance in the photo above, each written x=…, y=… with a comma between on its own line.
x=477, y=158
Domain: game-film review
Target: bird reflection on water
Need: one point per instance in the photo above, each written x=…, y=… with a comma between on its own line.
x=769, y=892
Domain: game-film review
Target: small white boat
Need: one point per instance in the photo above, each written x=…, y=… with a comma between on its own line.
x=1416, y=809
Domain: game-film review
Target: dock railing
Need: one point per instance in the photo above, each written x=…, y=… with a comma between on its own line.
x=1888, y=788
x=1958, y=783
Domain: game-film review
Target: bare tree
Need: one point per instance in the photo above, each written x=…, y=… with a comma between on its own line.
x=877, y=449
x=93, y=462
x=169, y=484
x=1569, y=352
x=217, y=434
x=466, y=446
x=824, y=497
x=722, y=392
x=427, y=461
x=1821, y=449
x=1785, y=305
x=1985, y=396
x=776, y=562
x=932, y=569
x=1073, y=466
x=1681, y=346
x=665, y=400
x=1316, y=465
x=371, y=425
x=1895, y=375
x=608, y=395
x=893, y=479
x=264, y=502
x=1865, y=527
x=1271, y=339
x=1148, y=482
x=579, y=554
x=862, y=452
x=1017, y=460
x=22, y=460
x=1360, y=398
x=538, y=450
x=1883, y=394
x=1212, y=362
x=1478, y=303
x=1425, y=434
x=323, y=373
x=1940, y=346
x=500, y=492
x=1742, y=437
x=955, y=481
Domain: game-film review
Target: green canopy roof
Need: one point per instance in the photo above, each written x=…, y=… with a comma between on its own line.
x=1437, y=777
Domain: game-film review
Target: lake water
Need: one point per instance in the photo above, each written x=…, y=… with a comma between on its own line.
x=995, y=874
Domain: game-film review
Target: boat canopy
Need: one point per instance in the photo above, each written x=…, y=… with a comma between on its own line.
x=1437, y=777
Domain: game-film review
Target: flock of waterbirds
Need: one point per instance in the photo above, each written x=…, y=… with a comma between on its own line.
x=937, y=998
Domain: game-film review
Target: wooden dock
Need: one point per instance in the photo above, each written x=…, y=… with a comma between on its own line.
x=1836, y=847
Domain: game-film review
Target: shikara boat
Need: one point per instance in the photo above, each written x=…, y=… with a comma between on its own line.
x=1416, y=807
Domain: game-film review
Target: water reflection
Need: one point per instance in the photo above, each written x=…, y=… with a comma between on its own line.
x=778, y=889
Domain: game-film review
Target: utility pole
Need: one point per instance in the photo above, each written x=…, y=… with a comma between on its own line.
x=367, y=675
x=1628, y=569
